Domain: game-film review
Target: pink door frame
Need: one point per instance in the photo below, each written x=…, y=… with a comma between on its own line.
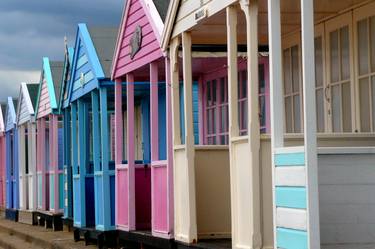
x=162, y=223
x=53, y=156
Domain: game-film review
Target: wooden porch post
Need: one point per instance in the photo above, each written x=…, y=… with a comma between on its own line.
x=309, y=104
x=276, y=89
x=96, y=142
x=169, y=145
x=105, y=157
x=175, y=85
x=131, y=150
x=232, y=71
x=22, y=157
x=189, y=136
x=118, y=124
x=32, y=164
x=154, y=111
x=55, y=166
x=43, y=161
x=81, y=167
x=250, y=9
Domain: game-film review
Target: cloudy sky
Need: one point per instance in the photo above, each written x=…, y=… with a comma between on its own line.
x=31, y=29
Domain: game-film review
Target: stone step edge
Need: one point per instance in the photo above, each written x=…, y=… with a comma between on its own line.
x=29, y=238
x=9, y=243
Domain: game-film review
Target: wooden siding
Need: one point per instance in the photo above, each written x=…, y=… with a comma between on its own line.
x=82, y=66
x=150, y=47
x=44, y=105
x=23, y=112
x=10, y=115
x=185, y=18
x=346, y=198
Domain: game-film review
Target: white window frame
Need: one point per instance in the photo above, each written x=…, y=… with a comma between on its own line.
x=289, y=41
x=365, y=12
x=330, y=26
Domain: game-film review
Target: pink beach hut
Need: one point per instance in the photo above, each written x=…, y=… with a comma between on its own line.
x=49, y=147
x=144, y=189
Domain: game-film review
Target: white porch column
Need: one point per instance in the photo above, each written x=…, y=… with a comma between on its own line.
x=184, y=175
x=309, y=103
x=295, y=181
x=250, y=8
x=32, y=165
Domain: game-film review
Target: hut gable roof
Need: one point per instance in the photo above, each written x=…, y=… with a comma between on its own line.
x=147, y=18
x=92, y=59
x=25, y=109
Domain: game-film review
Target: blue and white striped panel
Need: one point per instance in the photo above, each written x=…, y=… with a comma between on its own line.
x=291, y=199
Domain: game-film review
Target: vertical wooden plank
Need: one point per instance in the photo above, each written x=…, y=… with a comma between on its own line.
x=118, y=122
x=251, y=13
x=81, y=167
x=175, y=85
x=74, y=138
x=169, y=115
x=276, y=76
x=276, y=90
x=201, y=110
x=21, y=149
x=16, y=192
x=95, y=129
x=43, y=161
x=32, y=164
x=309, y=103
x=130, y=150
x=232, y=71
x=67, y=164
x=105, y=157
x=154, y=111
x=55, y=130
x=189, y=134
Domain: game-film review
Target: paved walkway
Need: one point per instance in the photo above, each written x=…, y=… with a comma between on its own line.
x=15, y=235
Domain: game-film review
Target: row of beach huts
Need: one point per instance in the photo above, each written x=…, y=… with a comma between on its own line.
x=206, y=124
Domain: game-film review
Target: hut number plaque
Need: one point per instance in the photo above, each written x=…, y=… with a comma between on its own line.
x=135, y=41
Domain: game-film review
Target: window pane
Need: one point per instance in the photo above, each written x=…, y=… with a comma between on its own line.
x=372, y=37
x=364, y=104
x=213, y=121
x=214, y=92
x=318, y=61
x=297, y=114
x=222, y=90
x=346, y=107
x=209, y=122
x=262, y=110
x=295, y=68
x=334, y=56
x=262, y=83
x=345, y=63
x=336, y=108
x=244, y=115
x=287, y=75
x=208, y=91
x=362, y=47
x=244, y=84
x=320, y=110
x=288, y=114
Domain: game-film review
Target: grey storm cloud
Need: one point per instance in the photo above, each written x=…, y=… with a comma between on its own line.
x=31, y=29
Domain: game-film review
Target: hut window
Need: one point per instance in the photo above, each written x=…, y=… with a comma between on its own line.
x=339, y=80
x=292, y=93
x=215, y=106
x=319, y=84
x=366, y=72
